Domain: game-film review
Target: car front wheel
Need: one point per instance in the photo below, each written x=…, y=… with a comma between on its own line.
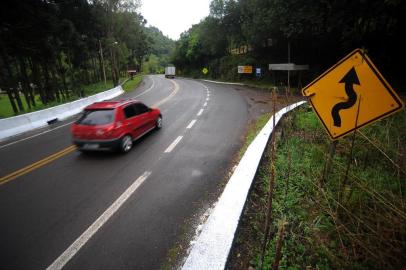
x=158, y=124
x=126, y=144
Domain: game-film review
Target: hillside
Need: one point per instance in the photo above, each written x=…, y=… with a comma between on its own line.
x=161, y=50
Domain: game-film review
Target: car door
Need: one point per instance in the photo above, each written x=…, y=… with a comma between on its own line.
x=144, y=120
x=131, y=121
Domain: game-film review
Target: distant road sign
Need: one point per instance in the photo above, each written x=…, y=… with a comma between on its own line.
x=354, y=81
x=205, y=71
x=258, y=72
x=245, y=69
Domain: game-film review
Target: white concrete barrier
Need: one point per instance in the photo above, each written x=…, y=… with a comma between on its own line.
x=213, y=245
x=18, y=124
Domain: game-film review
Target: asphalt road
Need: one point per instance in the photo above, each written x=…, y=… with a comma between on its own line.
x=112, y=211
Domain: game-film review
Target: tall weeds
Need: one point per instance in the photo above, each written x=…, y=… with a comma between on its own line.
x=358, y=223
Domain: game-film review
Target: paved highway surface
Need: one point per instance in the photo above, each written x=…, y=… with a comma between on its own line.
x=63, y=209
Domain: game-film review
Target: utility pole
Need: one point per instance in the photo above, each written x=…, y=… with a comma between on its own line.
x=289, y=70
x=114, y=68
x=101, y=57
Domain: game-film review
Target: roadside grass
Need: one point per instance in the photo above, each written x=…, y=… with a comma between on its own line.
x=7, y=111
x=253, y=131
x=330, y=223
x=95, y=88
x=130, y=85
x=92, y=89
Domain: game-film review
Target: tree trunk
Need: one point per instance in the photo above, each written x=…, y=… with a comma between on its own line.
x=13, y=87
x=6, y=84
x=49, y=93
x=37, y=82
x=96, y=74
x=11, y=98
x=61, y=71
x=114, y=71
x=18, y=98
x=74, y=83
x=25, y=84
x=54, y=81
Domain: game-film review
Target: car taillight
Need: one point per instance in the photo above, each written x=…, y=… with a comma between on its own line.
x=74, y=131
x=104, y=132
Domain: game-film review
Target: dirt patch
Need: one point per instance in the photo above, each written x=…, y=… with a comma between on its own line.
x=260, y=100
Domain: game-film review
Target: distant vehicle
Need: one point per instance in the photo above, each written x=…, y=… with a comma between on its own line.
x=114, y=125
x=170, y=72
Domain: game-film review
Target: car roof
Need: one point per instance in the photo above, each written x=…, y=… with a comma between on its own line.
x=110, y=104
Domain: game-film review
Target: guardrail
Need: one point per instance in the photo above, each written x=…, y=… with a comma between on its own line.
x=213, y=245
x=18, y=124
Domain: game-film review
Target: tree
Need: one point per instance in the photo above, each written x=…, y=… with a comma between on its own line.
x=50, y=49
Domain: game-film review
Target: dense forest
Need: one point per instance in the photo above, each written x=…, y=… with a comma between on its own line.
x=161, y=50
x=51, y=49
x=317, y=33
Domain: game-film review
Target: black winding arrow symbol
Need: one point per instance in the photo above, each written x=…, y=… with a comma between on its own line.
x=349, y=79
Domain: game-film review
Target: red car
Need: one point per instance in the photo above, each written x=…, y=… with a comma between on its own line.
x=114, y=125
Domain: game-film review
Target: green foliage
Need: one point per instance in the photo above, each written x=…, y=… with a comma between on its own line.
x=307, y=121
x=332, y=226
x=87, y=90
x=332, y=223
x=152, y=65
x=55, y=49
x=131, y=84
x=253, y=131
x=161, y=50
x=319, y=33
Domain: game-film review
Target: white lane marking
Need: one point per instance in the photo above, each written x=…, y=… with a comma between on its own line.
x=149, y=89
x=36, y=135
x=191, y=124
x=200, y=112
x=62, y=260
x=205, y=104
x=207, y=99
x=173, y=145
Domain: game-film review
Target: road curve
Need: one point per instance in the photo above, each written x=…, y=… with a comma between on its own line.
x=111, y=211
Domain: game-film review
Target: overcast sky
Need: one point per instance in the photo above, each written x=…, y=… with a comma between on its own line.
x=173, y=17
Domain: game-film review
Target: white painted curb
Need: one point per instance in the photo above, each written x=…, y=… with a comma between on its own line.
x=18, y=124
x=212, y=247
x=219, y=82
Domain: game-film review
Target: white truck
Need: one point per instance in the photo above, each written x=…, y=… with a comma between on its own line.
x=170, y=72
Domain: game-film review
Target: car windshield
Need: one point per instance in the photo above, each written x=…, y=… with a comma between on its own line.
x=96, y=117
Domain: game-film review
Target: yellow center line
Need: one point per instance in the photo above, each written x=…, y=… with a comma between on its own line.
x=176, y=89
x=36, y=165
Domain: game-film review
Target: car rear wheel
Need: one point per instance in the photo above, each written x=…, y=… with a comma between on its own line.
x=126, y=144
x=158, y=124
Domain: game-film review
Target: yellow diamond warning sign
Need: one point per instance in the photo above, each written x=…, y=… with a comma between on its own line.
x=353, y=84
